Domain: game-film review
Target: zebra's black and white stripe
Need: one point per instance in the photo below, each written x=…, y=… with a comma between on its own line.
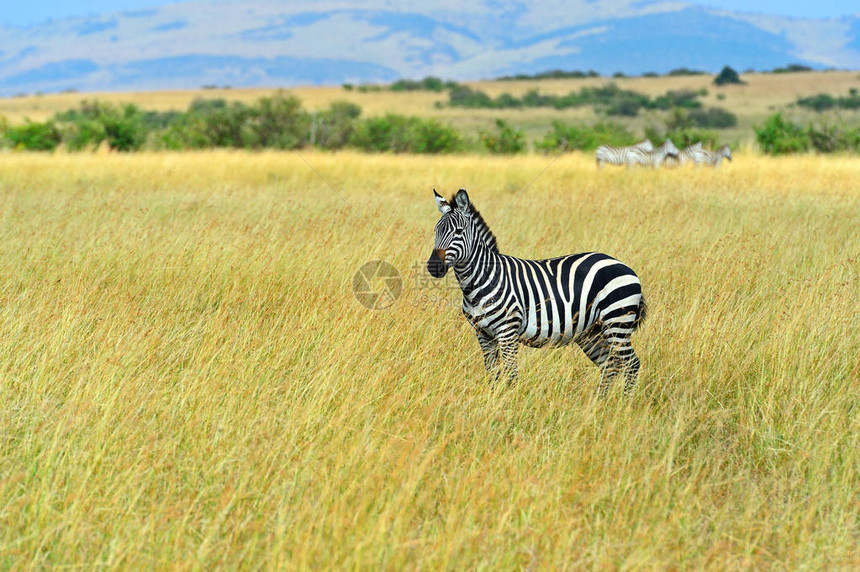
x=712, y=158
x=618, y=155
x=590, y=299
x=653, y=158
x=687, y=155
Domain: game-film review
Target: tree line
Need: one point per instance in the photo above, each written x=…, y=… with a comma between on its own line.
x=280, y=122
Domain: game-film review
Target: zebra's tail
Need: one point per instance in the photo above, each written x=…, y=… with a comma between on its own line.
x=641, y=313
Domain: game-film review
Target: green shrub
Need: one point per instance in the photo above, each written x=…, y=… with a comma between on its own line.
x=504, y=140
x=123, y=127
x=826, y=138
x=586, y=138
x=277, y=122
x=686, y=98
x=551, y=74
x=33, y=136
x=825, y=101
x=218, y=126
x=380, y=134
x=401, y=134
x=715, y=118
x=84, y=134
x=465, y=96
x=430, y=136
x=684, y=71
x=689, y=136
x=792, y=68
x=819, y=102
x=728, y=76
x=331, y=129
x=777, y=136
x=627, y=107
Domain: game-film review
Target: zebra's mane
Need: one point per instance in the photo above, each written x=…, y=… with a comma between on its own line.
x=483, y=228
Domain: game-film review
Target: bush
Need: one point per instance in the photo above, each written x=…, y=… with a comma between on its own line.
x=586, y=138
x=220, y=126
x=609, y=98
x=379, y=134
x=401, y=134
x=627, y=107
x=824, y=101
x=84, y=134
x=728, y=76
x=123, y=127
x=686, y=137
x=504, y=140
x=715, y=118
x=277, y=122
x=430, y=136
x=552, y=74
x=778, y=136
x=465, y=96
x=34, y=136
x=429, y=83
x=331, y=129
x=792, y=68
x=684, y=71
x=826, y=138
x=686, y=98
x=819, y=102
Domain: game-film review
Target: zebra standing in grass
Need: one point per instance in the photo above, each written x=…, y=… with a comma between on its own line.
x=687, y=155
x=618, y=155
x=590, y=299
x=713, y=158
x=653, y=158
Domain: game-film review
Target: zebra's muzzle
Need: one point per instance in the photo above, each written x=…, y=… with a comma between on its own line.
x=436, y=265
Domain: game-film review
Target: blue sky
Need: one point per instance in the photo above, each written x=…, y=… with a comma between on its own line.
x=28, y=12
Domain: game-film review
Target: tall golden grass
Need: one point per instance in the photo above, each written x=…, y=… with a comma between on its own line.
x=188, y=381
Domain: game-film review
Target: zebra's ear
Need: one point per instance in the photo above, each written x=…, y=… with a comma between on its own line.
x=462, y=200
x=441, y=203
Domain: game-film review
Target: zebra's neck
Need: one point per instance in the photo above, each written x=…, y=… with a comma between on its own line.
x=483, y=266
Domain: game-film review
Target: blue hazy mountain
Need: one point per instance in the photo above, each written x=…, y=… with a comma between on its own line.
x=277, y=43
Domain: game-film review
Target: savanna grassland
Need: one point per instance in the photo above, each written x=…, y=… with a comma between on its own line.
x=762, y=95
x=188, y=381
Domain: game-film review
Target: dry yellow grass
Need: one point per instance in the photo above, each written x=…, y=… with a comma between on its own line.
x=763, y=95
x=188, y=381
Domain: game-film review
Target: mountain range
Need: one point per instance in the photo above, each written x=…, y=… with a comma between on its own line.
x=247, y=43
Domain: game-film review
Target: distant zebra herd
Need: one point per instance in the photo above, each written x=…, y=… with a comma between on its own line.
x=644, y=153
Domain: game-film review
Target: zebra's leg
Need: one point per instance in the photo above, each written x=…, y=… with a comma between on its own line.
x=623, y=360
x=599, y=352
x=631, y=372
x=490, y=348
x=508, y=346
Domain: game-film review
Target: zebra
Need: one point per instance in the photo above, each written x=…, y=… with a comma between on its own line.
x=618, y=155
x=713, y=158
x=687, y=155
x=590, y=298
x=653, y=158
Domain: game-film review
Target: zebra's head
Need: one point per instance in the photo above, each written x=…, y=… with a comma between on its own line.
x=725, y=151
x=669, y=147
x=455, y=234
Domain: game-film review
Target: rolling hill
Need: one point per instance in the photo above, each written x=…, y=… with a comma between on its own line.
x=267, y=43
